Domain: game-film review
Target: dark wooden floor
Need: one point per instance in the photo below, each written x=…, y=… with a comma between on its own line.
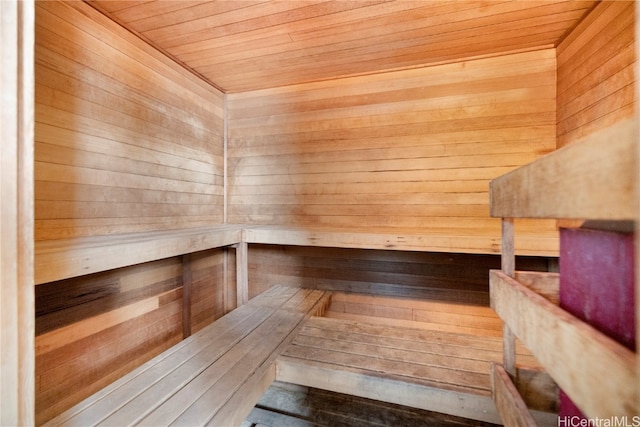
x=288, y=405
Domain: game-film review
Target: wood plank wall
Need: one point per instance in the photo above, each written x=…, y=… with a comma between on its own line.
x=411, y=149
x=126, y=140
x=446, y=277
x=93, y=329
x=596, y=72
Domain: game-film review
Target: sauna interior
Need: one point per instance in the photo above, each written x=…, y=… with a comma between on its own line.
x=377, y=185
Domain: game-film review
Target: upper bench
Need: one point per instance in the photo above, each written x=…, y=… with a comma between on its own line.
x=66, y=258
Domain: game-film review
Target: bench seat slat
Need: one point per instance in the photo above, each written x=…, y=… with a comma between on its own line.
x=197, y=401
x=176, y=372
x=428, y=369
x=392, y=367
x=445, y=343
x=430, y=356
x=102, y=403
x=231, y=360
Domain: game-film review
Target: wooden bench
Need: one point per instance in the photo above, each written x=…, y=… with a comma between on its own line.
x=56, y=260
x=213, y=377
x=576, y=182
x=66, y=258
x=434, y=370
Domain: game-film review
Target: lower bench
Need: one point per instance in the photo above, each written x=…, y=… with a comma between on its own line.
x=213, y=377
x=433, y=370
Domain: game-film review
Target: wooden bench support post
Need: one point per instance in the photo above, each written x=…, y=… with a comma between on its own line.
x=509, y=268
x=187, y=279
x=513, y=410
x=242, y=272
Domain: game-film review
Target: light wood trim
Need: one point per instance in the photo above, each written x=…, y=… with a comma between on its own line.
x=402, y=239
x=593, y=178
x=17, y=385
x=509, y=403
x=62, y=259
x=596, y=372
x=187, y=282
x=242, y=272
x=66, y=258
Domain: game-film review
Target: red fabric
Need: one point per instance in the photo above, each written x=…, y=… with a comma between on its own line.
x=597, y=286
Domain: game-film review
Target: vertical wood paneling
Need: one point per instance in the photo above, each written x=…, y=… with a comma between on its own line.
x=596, y=72
x=126, y=140
x=411, y=149
x=16, y=213
x=92, y=329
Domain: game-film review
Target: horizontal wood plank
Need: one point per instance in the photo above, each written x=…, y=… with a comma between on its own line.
x=124, y=136
x=527, y=313
x=437, y=239
x=577, y=181
x=513, y=410
x=280, y=44
x=327, y=377
x=61, y=259
x=204, y=375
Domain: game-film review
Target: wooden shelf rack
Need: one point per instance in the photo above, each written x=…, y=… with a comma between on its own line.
x=592, y=179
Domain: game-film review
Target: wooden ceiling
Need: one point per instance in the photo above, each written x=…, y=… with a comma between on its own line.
x=241, y=45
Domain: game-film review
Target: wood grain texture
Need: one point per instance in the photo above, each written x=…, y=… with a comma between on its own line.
x=416, y=313
x=126, y=140
x=281, y=43
x=16, y=213
x=593, y=179
x=290, y=405
x=596, y=72
x=403, y=150
x=215, y=376
x=565, y=336
x=512, y=408
x=418, y=367
x=96, y=328
x=72, y=257
x=440, y=277
x=459, y=240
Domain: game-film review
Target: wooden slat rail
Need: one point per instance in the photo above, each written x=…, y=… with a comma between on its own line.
x=214, y=377
x=427, y=369
x=594, y=179
x=556, y=338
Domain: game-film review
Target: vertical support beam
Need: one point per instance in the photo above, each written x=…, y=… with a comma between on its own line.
x=508, y=268
x=225, y=164
x=508, y=248
x=242, y=272
x=187, y=281
x=637, y=195
x=17, y=309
